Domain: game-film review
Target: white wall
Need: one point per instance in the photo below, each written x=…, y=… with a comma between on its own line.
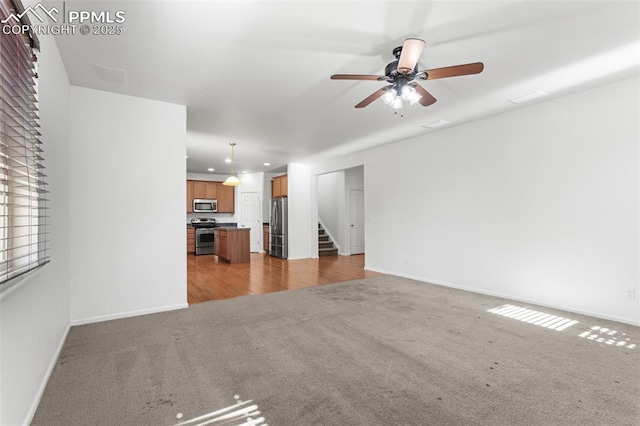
x=128, y=195
x=331, y=206
x=539, y=204
x=300, y=225
x=354, y=178
x=35, y=312
x=341, y=163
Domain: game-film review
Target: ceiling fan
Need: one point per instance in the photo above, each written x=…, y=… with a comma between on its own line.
x=401, y=73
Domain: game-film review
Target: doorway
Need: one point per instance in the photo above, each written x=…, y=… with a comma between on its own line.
x=340, y=203
x=250, y=207
x=356, y=202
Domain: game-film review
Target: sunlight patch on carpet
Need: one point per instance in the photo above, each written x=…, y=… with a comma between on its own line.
x=541, y=319
x=238, y=414
x=608, y=337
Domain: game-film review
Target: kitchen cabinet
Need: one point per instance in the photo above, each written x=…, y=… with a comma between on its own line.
x=284, y=185
x=199, y=189
x=191, y=240
x=216, y=242
x=210, y=190
x=275, y=188
x=223, y=245
x=279, y=186
x=226, y=199
x=205, y=189
x=232, y=244
x=190, y=196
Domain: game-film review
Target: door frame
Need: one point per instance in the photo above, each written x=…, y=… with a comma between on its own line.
x=313, y=231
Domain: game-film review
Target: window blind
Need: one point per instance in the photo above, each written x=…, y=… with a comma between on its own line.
x=24, y=228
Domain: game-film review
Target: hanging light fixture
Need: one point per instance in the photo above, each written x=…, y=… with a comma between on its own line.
x=400, y=92
x=232, y=180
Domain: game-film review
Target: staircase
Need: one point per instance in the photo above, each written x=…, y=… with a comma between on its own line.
x=325, y=245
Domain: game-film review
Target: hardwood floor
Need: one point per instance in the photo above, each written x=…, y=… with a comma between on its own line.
x=210, y=279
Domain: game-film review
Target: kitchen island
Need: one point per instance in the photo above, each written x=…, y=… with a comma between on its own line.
x=231, y=244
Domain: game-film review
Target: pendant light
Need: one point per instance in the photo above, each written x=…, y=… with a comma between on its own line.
x=232, y=180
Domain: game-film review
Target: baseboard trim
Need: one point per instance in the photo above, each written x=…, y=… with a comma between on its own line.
x=101, y=318
x=507, y=296
x=45, y=379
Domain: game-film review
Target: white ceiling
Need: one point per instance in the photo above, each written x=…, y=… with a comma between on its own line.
x=257, y=72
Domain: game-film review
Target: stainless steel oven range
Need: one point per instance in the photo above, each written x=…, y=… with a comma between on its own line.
x=204, y=234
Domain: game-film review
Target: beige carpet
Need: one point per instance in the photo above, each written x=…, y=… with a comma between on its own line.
x=378, y=351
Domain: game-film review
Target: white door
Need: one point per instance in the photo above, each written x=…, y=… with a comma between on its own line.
x=356, y=198
x=250, y=218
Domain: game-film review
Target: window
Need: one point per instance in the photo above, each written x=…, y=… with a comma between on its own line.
x=23, y=194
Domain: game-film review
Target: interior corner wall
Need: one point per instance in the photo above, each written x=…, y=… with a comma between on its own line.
x=127, y=206
x=299, y=201
x=539, y=204
x=35, y=310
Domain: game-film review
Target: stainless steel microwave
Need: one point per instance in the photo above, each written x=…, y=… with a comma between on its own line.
x=205, y=206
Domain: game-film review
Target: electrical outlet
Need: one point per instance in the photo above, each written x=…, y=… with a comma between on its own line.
x=631, y=294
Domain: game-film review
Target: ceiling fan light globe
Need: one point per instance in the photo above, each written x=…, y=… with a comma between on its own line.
x=415, y=97
x=389, y=97
x=397, y=103
x=406, y=92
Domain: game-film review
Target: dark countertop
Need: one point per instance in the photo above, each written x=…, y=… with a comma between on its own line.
x=219, y=225
x=231, y=228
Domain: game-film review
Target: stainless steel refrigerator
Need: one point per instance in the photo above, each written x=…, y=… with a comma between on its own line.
x=278, y=231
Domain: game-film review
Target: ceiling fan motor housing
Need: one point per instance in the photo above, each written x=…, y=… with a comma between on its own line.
x=391, y=70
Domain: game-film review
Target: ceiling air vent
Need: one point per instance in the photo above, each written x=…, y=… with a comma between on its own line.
x=435, y=124
x=114, y=75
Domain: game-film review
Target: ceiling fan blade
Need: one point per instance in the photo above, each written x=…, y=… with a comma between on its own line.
x=411, y=50
x=372, y=97
x=454, y=71
x=357, y=77
x=427, y=98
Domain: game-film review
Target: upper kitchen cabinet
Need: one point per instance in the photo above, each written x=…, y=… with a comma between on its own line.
x=190, y=196
x=205, y=190
x=226, y=198
x=279, y=186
